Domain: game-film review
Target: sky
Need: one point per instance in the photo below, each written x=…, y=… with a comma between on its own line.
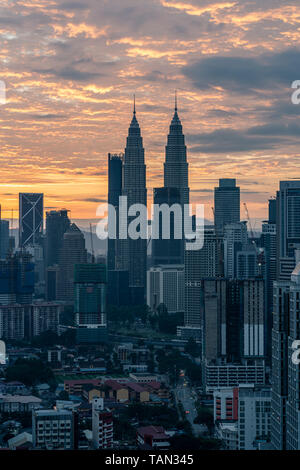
x=71, y=68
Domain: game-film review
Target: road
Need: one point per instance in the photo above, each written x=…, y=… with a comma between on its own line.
x=184, y=394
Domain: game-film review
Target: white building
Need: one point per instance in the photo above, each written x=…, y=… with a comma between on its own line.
x=53, y=429
x=165, y=285
x=235, y=239
x=102, y=425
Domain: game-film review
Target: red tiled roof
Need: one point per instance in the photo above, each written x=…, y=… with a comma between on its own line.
x=156, y=432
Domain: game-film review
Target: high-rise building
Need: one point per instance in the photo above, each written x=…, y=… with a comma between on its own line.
x=176, y=175
x=134, y=188
x=54, y=429
x=57, y=223
x=4, y=238
x=268, y=242
x=90, y=302
x=227, y=204
x=235, y=240
x=167, y=251
x=16, y=279
x=118, y=293
x=72, y=252
x=285, y=425
x=176, y=166
x=247, y=410
x=102, y=424
x=115, y=170
x=165, y=285
x=31, y=209
x=288, y=227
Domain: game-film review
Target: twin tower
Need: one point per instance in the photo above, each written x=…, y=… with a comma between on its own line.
x=127, y=177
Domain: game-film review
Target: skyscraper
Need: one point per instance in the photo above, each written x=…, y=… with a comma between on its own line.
x=227, y=204
x=115, y=168
x=176, y=166
x=57, y=223
x=31, y=208
x=90, y=302
x=167, y=251
x=288, y=227
x=4, y=238
x=235, y=240
x=268, y=242
x=72, y=252
x=134, y=187
x=285, y=417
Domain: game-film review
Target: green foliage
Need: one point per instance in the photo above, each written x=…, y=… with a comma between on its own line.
x=192, y=348
x=160, y=415
x=30, y=372
x=186, y=442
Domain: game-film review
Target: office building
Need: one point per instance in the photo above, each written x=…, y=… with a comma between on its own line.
x=269, y=244
x=285, y=420
x=176, y=173
x=227, y=204
x=235, y=240
x=57, y=223
x=288, y=227
x=115, y=170
x=17, y=279
x=90, y=282
x=72, y=252
x=31, y=209
x=165, y=285
x=171, y=250
x=4, y=238
x=134, y=252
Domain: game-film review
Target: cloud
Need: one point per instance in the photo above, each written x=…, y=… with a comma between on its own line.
x=245, y=75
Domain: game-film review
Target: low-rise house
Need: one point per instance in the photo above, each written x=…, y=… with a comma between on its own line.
x=137, y=392
x=117, y=391
x=22, y=441
x=153, y=437
x=19, y=403
x=76, y=386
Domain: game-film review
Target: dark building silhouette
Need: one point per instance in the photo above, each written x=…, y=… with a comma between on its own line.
x=72, y=252
x=227, y=204
x=115, y=169
x=90, y=282
x=176, y=169
x=31, y=208
x=118, y=293
x=167, y=251
x=134, y=252
x=57, y=223
x=4, y=238
x=17, y=279
x=176, y=166
x=288, y=228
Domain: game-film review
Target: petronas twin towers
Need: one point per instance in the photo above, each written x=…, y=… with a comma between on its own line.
x=134, y=252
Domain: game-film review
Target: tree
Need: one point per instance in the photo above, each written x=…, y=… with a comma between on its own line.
x=30, y=372
x=192, y=348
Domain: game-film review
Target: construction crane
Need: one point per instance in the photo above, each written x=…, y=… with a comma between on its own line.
x=259, y=253
x=249, y=221
x=92, y=244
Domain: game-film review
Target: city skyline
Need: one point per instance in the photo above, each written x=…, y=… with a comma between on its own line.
x=69, y=95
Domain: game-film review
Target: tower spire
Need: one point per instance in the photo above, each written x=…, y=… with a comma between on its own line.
x=134, y=110
x=176, y=107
